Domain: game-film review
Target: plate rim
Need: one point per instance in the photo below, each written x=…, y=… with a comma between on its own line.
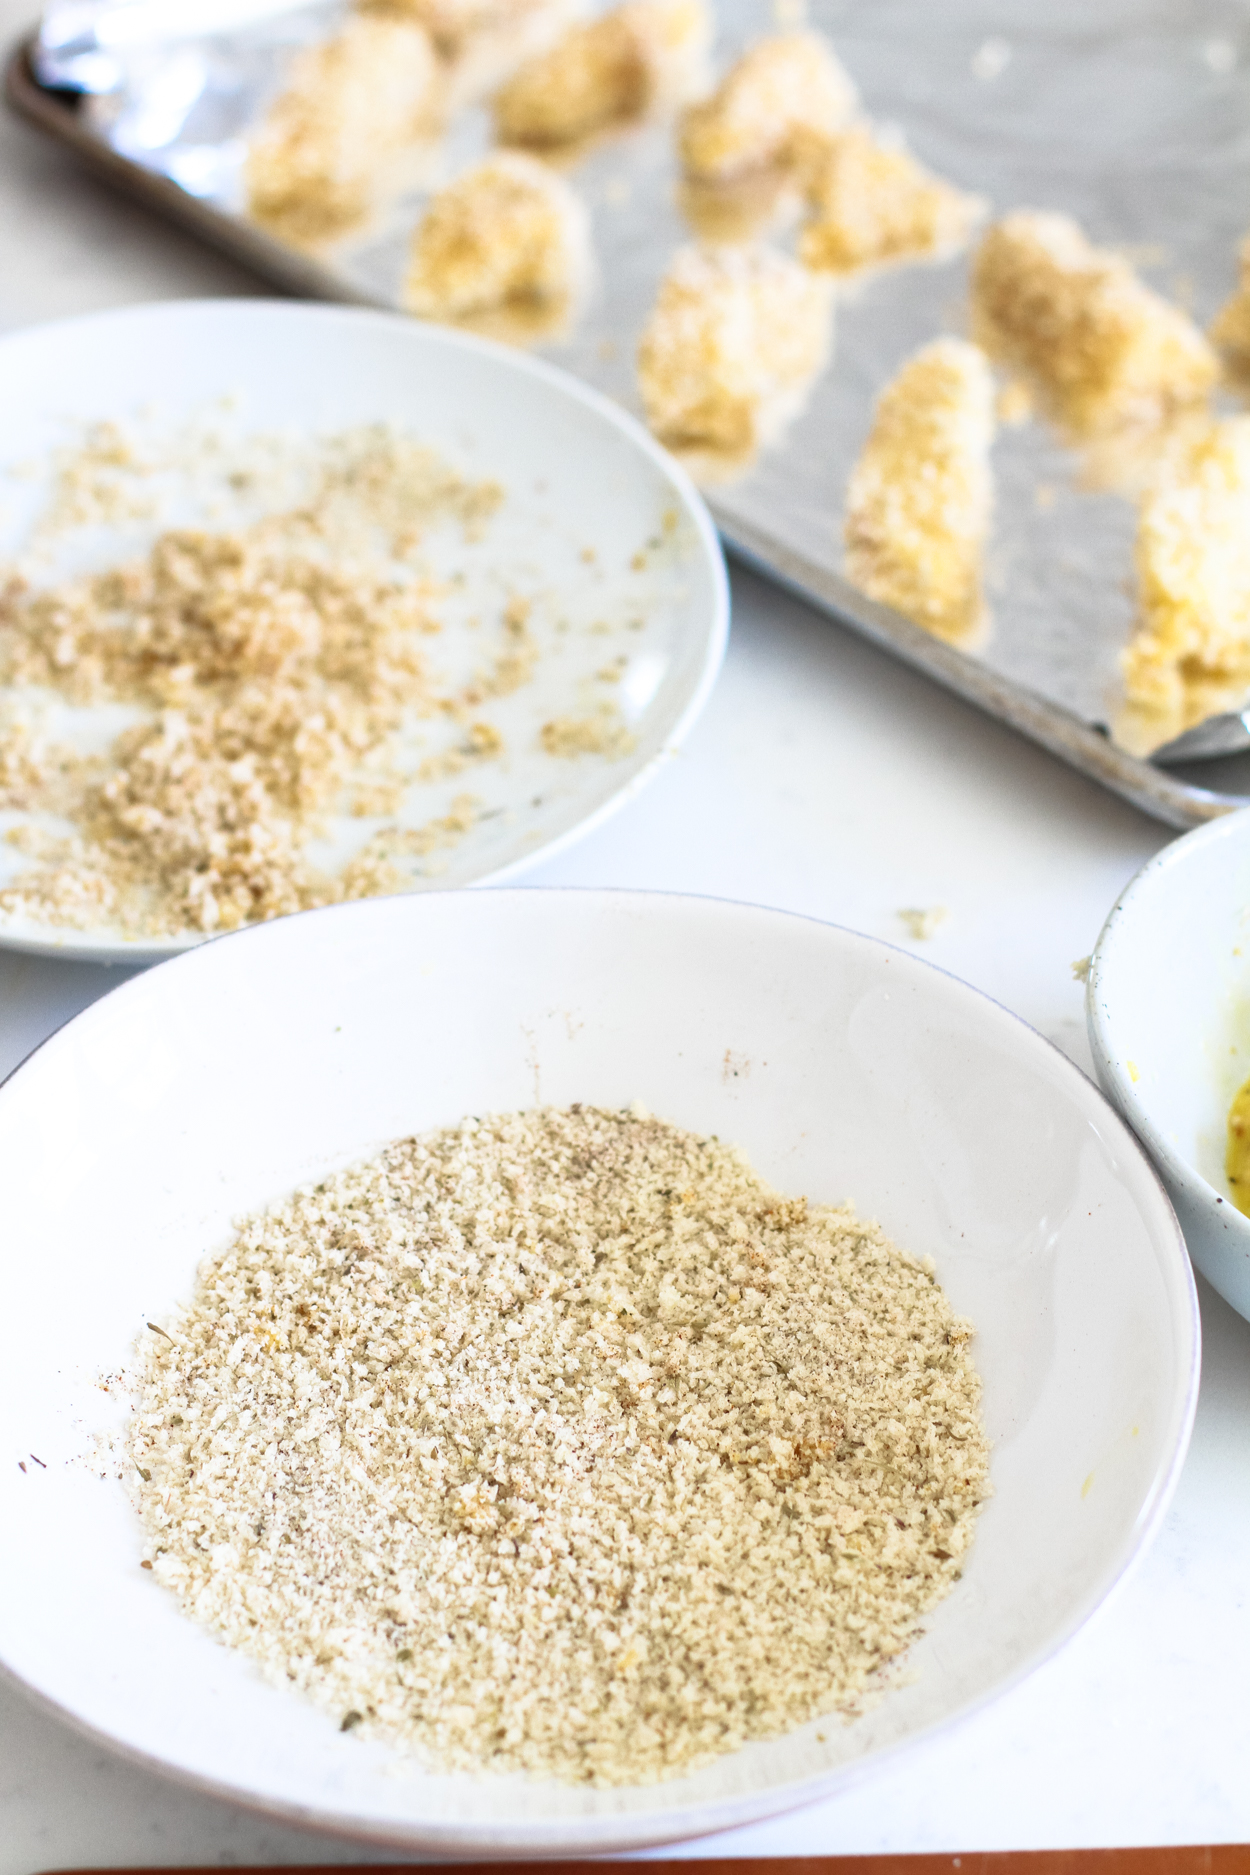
x=1100, y=1025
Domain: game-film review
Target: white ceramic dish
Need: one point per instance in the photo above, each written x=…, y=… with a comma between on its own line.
x=1168, y=1008
x=847, y=1069
x=585, y=490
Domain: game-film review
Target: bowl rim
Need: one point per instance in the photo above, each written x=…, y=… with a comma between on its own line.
x=610, y=1835
x=1100, y=1024
x=81, y=946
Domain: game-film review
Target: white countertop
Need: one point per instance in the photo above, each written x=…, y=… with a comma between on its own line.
x=823, y=779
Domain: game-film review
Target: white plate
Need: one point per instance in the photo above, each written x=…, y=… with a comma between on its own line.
x=846, y=1069
x=1168, y=1010
x=586, y=489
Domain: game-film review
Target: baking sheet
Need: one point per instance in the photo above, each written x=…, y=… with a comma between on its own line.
x=1132, y=115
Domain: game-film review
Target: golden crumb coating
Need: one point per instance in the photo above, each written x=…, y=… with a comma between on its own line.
x=732, y=331
x=506, y=230
x=918, y=504
x=1231, y=328
x=1102, y=348
x=353, y=103
x=606, y=71
x=1193, y=575
x=777, y=107
x=873, y=203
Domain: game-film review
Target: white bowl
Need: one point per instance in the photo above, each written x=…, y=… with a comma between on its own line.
x=586, y=489
x=1168, y=1009
x=845, y=1068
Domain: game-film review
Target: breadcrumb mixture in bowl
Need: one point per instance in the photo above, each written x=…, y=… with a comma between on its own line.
x=560, y=1442
x=632, y=1455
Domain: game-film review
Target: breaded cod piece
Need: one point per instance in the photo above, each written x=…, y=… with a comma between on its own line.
x=777, y=107
x=1099, y=346
x=1192, y=643
x=872, y=203
x=734, y=333
x=1230, y=331
x=611, y=70
x=919, y=499
x=352, y=105
x=508, y=230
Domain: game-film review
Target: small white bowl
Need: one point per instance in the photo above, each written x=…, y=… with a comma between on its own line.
x=1168, y=1009
x=846, y=1069
x=597, y=520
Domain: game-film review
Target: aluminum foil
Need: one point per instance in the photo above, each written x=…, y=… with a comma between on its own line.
x=176, y=85
x=1132, y=115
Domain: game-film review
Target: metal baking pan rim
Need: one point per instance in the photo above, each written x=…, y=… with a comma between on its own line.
x=55, y=113
x=1155, y=792
x=1092, y=753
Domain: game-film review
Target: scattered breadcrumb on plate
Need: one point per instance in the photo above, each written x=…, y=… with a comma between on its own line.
x=313, y=669
x=602, y=732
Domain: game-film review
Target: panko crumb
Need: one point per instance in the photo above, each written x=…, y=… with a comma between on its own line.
x=776, y=108
x=607, y=71
x=734, y=340
x=559, y=1443
x=1190, y=654
x=919, y=498
x=923, y=922
x=1102, y=349
x=603, y=732
x=872, y=203
x=1230, y=330
x=507, y=232
x=99, y=481
x=378, y=868
x=353, y=104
